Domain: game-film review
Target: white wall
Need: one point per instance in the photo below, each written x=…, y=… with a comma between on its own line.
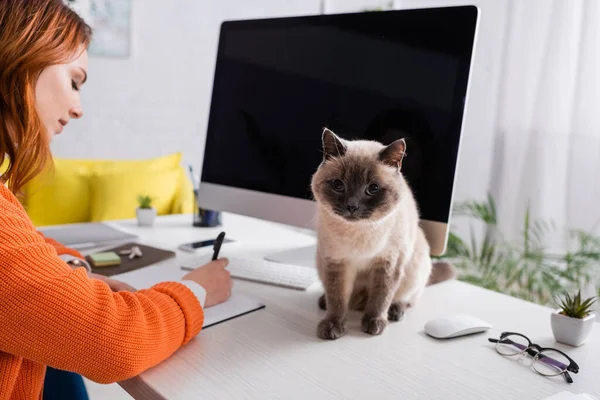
x=157, y=100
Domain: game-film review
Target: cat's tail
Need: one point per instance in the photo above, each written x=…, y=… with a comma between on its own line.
x=441, y=271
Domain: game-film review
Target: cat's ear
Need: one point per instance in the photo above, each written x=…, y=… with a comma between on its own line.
x=393, y=154
x=333, y=146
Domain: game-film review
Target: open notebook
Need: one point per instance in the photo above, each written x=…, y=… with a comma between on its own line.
x=236, y=306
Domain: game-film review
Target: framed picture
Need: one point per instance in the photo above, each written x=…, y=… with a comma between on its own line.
x=111, y=24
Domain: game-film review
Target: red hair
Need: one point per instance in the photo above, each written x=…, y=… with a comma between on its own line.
x=35, y=34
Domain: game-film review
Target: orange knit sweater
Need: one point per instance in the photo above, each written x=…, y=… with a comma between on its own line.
x=53, y=315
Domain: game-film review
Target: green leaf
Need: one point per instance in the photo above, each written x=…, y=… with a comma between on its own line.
x=492, y=209
x=144, y=201
x=525, y=268
x=485, y=212
x=471, y=279
x=473, y=245
x=456, y=247
x=572, y=306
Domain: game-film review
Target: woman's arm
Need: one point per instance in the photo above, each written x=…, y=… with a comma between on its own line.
x=61, y=249
x=60, y=317
x=76, y=260
x=69, y=255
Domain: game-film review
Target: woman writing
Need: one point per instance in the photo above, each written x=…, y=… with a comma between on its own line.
x=53, y=311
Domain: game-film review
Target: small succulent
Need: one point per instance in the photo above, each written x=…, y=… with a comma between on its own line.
x=573, y=306
x=144, y=201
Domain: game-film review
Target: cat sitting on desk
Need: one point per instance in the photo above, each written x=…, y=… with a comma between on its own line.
x=372, y=253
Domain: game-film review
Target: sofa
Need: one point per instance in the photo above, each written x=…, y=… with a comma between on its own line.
x=94, y=190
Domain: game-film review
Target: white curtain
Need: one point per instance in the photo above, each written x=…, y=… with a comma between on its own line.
x=547, y=135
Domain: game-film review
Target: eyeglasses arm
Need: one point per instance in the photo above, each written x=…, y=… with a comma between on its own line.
x=552, y=362
x=568, y=377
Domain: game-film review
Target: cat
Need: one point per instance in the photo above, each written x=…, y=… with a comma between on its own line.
x=372, y=255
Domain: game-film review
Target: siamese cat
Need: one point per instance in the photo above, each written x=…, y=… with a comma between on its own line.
x=372, y=254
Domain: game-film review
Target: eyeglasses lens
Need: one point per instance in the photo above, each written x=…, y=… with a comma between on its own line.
x=550, y=363
x=511, y=345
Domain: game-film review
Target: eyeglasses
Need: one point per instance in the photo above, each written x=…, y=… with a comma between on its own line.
x=546, y=361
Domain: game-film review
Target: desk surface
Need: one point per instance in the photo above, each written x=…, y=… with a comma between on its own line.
x=274, y=352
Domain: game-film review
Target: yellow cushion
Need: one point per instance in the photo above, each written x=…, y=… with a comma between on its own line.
x=65, y=195
x=101, y=166
x=59, y=197
x=114, y=195
x=4, y=166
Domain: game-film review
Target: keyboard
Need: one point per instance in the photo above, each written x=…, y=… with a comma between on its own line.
x=259, y=270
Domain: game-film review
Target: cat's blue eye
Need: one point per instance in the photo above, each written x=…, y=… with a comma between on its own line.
x=372, y=189
x=337, y=185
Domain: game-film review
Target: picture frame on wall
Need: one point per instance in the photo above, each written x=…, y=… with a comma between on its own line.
x=111, y=24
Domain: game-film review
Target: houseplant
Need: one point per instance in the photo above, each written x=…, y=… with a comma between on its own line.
x=527, y=268
x=574, y=320
x=145, y=212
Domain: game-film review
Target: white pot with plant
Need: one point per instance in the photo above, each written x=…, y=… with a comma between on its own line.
x=146, y=213
x=574, y=321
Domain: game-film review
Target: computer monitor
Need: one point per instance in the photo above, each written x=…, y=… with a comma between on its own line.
x=373, y=75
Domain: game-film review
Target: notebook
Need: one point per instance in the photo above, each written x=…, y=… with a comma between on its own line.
x=87, y=235
x=236, y=306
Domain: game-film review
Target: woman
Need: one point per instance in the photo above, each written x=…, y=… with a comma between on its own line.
x=53, y=312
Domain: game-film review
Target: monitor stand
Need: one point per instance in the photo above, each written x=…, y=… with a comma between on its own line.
x=302, y=256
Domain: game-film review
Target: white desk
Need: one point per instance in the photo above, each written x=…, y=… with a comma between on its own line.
x=274, y=353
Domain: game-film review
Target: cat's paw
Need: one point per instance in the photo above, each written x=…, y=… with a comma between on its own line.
x=395, y=312
x=331, y=329
x=322, y=303
x=373, y=325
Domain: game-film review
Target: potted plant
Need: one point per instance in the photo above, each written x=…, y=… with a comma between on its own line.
x=145, y=212
x=573, y=322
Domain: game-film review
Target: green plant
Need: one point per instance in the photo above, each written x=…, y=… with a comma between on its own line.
x=573, y=306
x=144, y=201
x=525, y=268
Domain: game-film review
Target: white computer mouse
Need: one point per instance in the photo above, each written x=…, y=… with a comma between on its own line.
x=452, y=326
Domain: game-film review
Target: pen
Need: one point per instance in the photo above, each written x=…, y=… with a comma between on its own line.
x=217, y=245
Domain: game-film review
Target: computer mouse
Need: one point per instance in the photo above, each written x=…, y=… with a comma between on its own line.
x=452, y=326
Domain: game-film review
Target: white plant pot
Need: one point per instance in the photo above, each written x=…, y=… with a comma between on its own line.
x=146, y=216
x=571, y=331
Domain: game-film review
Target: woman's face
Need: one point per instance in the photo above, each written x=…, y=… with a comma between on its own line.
x=57, y=93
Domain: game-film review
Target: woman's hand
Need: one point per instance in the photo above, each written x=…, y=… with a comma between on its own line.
x=114, y=284
x=215, y=279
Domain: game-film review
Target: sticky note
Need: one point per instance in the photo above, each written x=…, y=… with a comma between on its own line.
x=106, y=259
